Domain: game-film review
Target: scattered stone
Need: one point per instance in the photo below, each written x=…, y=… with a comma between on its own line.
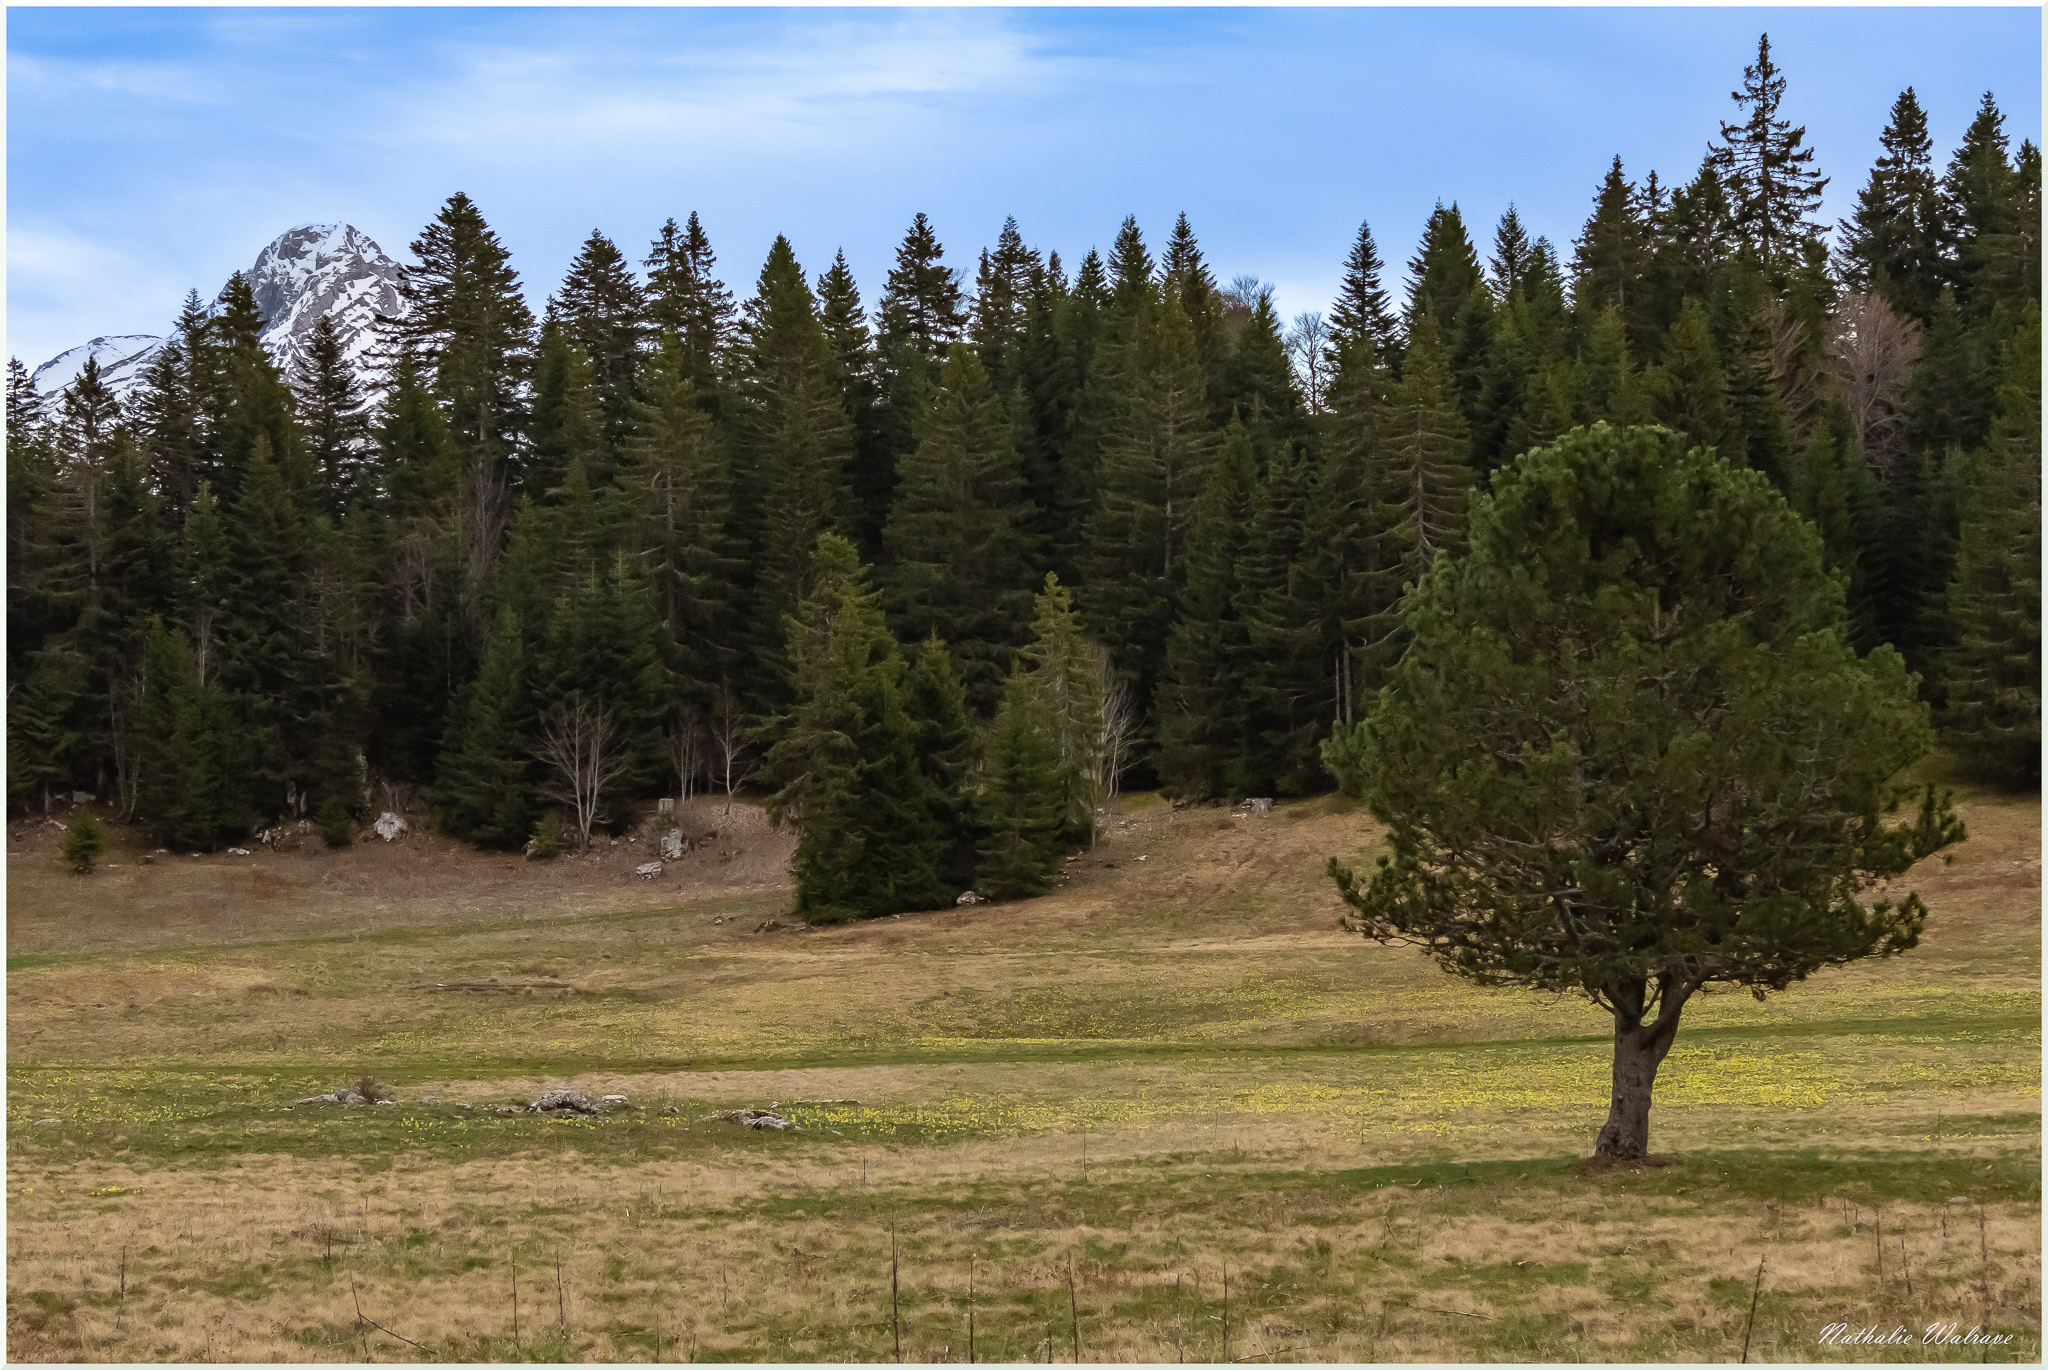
x=664, y=807
x=148, y=860
x=389, y=826
x=319, y=1099
x=466, y=1108
x=969, y=898
x=1257, y=808
x=612, y=1100
x=286, y=1109
x=754, y=1118
x=81, y=797
x=671, y=1110
x=563, y=1101
x=47, y=1122
x=1141, y=858
x=387, y=1103
x=1960, y=1199
x=716, y=921
x=672, y=845
x=504, y=1108
x=430, y=1099
x=647, y=870
x=238, y=851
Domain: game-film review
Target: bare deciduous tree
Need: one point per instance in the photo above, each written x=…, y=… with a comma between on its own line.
x=1117, y=711
x=581, y=749
x=729, y=739
x=1873, y=348
x=686, y=744
x=1308, y=344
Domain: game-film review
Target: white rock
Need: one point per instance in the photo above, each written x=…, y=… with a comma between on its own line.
x=672, y=845
x=969, y=898
x=389, y=826
x=647, y=870
x=238, y=851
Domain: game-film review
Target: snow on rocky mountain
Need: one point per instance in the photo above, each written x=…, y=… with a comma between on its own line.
x=123, y=360
x=308, y=271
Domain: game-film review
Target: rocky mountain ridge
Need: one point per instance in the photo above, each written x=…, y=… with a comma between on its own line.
x=308, y=271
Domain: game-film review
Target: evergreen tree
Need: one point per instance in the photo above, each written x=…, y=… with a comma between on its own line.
x=602, y=650
x=602, y=308
x=1992, y=673
x=333, y=415
x=1688, y=391
x=1021, y=799
x=1201, y=706
x=687, y=302
x=484, y=785
x=1155, y=459
x=1891, y=246
x=794, y=443
x=847, y=760
x=677, y=492
x=1182, y=269
x=167, y=416
x=959, y=560
x=946, y=744
x=191, y=769
x=1002, y=287
x=1511, y=249
x=872, y=466
x=1259, y=383
x=1064, y=670
x=1420, y=501
x=1767, y=170
x=1444, y=276
x=1362, y=311
x=1612, y=259
x=567, y=425
x=1286, y=688
x=1832, y=488
x=1984, y=220
x=922, y=302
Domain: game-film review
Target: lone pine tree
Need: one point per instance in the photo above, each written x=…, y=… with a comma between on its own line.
x=1629, y=752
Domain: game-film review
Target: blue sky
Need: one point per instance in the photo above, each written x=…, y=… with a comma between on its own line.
x=155, y=150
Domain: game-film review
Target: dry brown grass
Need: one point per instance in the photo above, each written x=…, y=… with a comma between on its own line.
x=1164, y=1067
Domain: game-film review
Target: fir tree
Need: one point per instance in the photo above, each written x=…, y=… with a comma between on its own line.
x=687, y=302
x=192, y=786
x=334, y=417
x=1201, y=706
x=1155, y=459
x=1511, y=248
x=946, y=742
x=1362, y=312
x=1688, y=391
x=601, y=306
x=960, y=562
x=1767, y=170
x=794, y=443
x=1891, y=246
x=1064, y=671
x=1992, y=673
x=1420, y=500
x=1831, y=487
x=1612, y=258
x=567, y=424
x=1444, y=275
x=1002, y=287
x=1021, y=800
x=1259, y=383
x=1984, y=227
x=1285, y=686
x=484, y=785
x=847, y=760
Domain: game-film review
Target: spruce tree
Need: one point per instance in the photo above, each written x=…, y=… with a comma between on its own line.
x=567, y=424
x=1992, y=673
x=946, y=742
x=1286, y=684
x=1611, y=262
x=1362, y=311
x=1986, y=224
x=602, y=307
x=1420, y=499
x=687, y=302
x=334, y=418
x=846, y=760
x=1688, y=391
x=1259, y=384
x=1203, y=727
x=1064, y=670
x=1767, y=170
x=1155, y=458
x=678, y=505
x=960, y=562
x=1444, y=275
x=793, y=445
x=871, y=469
x=1002, y=289
x=192, y=785
x=1021, y=798
x=1891, y=245
x=484, y=784
x=1832, y=488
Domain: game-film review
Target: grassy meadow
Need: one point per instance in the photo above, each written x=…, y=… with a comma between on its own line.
x=1169, y=1112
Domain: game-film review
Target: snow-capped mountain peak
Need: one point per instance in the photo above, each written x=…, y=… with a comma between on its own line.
x=308, y=271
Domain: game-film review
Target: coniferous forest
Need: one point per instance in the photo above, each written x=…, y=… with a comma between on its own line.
x=935, y=569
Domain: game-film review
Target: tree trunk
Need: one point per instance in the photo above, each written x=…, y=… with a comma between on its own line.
x=1639, y=1048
